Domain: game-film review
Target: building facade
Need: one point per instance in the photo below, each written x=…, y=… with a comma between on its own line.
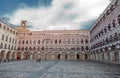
x=53, y=44
x=8, y=42
x=105, y=34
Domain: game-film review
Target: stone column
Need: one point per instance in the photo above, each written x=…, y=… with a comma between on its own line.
x=75, y=56
x=105, y=56
x=53, y=56
x=83, y=57
x=96, y=56
x=111, y=56
x=119, y=57
x=68, y=56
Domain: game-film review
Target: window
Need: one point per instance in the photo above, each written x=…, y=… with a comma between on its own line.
x=19, y=42
x=119, y=19
x=1, y=46
x=6, y=38
x=82, y=48
x=38, y=41
x=9, y=47
x=59, y=41
x=23, y=42
x=5, y=46
x=10, y=40
x=0, y=25
x=3, y=37
x=55, y=41
x=86, y=41
x=109, y=27
x=81, y=41
x=26, y=41
x=87, y=48
x=13, y=41
x=113, y=23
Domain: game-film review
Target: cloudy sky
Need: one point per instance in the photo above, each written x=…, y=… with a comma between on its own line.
x=53, y=14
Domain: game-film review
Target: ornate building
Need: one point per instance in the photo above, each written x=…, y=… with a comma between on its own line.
x=101, y=42
x=52, y=44
x=105, y=34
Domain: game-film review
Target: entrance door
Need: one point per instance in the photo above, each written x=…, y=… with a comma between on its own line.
x=78, y=57
x=66, y=56
x=58, y=56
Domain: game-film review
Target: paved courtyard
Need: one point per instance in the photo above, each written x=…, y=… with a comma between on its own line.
x=58, y=69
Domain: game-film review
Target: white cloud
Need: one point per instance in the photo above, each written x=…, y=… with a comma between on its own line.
x=60, y=14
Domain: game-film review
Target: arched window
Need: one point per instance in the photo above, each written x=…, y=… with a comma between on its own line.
x=3, y=37
x=38, y=48
x=18, y=48
x=38, y=41
x=87, y=48
x=22, y=48
x=86, y=41
x=0, y=25
x=119, y=19
x=6, y=38
x=30, y=48
x=9, y=47
x=23, y=42
x=13, y=41
x=26, y=41
x=34, y=41
x=5, y=46
x=10, y=39
x=1, y=46
x=81, y=41
x=55, y=41
x=26, y=48
x=12, y=47
x=82, y=48
x=59, y=41
x=34, y=48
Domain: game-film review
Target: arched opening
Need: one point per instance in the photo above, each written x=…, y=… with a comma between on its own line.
x=26, y=55
x=18, y=55
x=2, y=55
x=8, y=56
x=78, y=56
x=35, y=55
x=13, y=56
x=66, y=56
x=58, y=56
x=86, y=56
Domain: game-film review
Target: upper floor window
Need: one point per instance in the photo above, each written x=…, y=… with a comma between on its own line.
x=119, y=19
x=38, y=41
x=59, y=41
x=81, y=41
x=86, y=41
x=3, y=37
x=55, y=41
x=113, y=23
x=6, y=38
x=26, y=41
x=0, y=25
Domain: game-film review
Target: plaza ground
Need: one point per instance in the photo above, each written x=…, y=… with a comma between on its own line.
x=59, y=69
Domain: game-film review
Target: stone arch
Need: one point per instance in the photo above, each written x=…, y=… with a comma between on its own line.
x=18, y=55
x=35, y=55
x=13, y=56
x=2, y=55
x=8, y=55
x=26, y=55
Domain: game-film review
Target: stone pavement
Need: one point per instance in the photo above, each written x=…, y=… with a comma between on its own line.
x=58, y=69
